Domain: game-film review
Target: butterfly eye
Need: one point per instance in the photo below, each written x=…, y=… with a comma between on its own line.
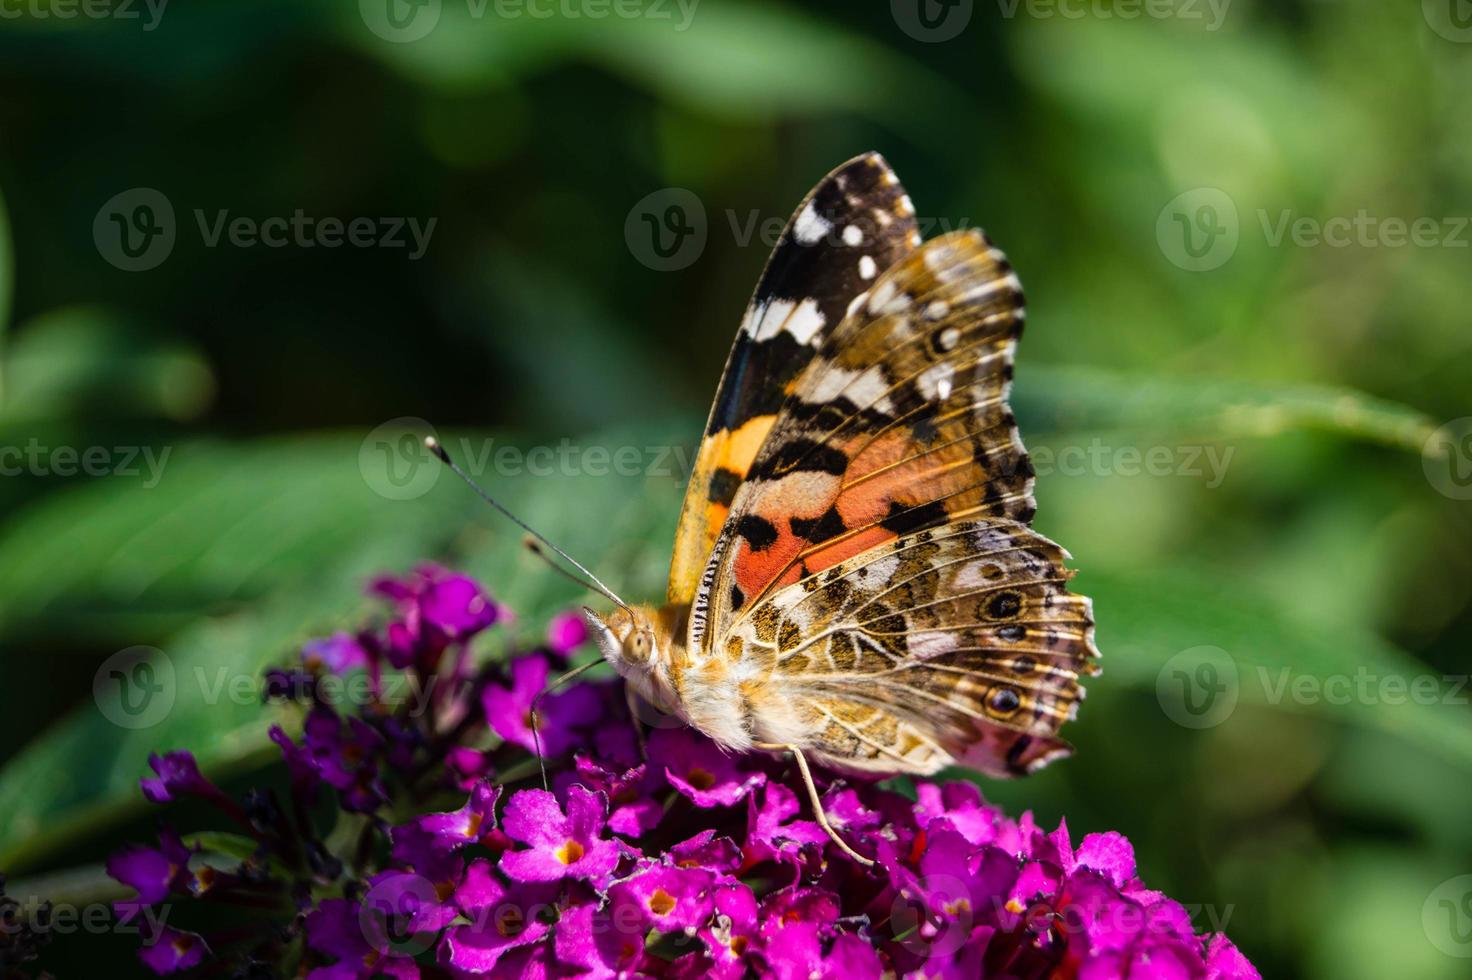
x=639, y=646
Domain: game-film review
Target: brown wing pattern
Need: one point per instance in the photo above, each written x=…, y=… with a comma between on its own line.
x=900, y=424
x=959, y=644
x=857, y=221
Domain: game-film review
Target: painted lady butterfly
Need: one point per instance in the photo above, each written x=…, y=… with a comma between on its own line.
x=854, y=578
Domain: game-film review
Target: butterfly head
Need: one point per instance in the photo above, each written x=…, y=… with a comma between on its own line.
x=626, y=636
x=635, y=640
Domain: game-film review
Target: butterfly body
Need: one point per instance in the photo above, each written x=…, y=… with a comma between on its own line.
x=854, y=575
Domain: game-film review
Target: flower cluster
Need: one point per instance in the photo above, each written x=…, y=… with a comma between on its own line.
x=414, y=839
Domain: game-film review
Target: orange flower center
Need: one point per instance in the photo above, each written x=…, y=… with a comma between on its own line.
x=700, y=779
x=661, y=902
x=569, y=852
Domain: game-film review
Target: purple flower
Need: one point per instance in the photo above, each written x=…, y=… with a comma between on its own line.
x=1224, y=962
x=469, y=824
x=664, y=898
x=457, y=607
x=173, y=950
x=176, y=774
x=635, y=811
x=508, y=710
x=153, y=872
x=599, y=945
x=960, y=805
x=706, y=850
x=632, y=845
x=698, y=768
x=437, y=608
x=360, y=942
x=566, y=633
x=346, y=757
x=732, y=934
x=772, y=834
x=336, y=654
x=501, y=919
x=559, y=845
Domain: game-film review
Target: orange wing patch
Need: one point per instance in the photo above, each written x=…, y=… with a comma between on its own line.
x=857, y=220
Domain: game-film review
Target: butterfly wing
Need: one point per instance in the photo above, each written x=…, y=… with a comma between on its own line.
x=959, y=644
x=898, y=428
x=854, y=224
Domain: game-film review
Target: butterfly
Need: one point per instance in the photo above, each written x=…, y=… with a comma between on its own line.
x=854, y=578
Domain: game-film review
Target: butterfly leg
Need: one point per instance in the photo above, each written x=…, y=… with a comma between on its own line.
x=632, y=700
x=822, y=817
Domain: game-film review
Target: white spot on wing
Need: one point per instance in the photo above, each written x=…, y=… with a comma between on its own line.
x=866, y=388
x=935, y=381
x=925, y=645
x=852, y=234
x=810, y=226
x=802, y=320
x=867, y=267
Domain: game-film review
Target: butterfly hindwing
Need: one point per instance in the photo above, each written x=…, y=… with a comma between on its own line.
x=853, y=225
x=957, y=644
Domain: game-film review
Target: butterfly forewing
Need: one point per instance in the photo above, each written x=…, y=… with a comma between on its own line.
x=855, y=223
x=900, y=423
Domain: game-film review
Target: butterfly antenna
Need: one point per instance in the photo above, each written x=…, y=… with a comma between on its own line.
x=433, y=445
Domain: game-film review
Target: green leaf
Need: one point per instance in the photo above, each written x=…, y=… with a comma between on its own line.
x=1074, y=400
x=717, y=59
x=295, y=527
x=7, y=281
x=1146, y=619
x=94, y=361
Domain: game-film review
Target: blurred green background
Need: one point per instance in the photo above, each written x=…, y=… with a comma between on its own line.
x=1281, y=726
